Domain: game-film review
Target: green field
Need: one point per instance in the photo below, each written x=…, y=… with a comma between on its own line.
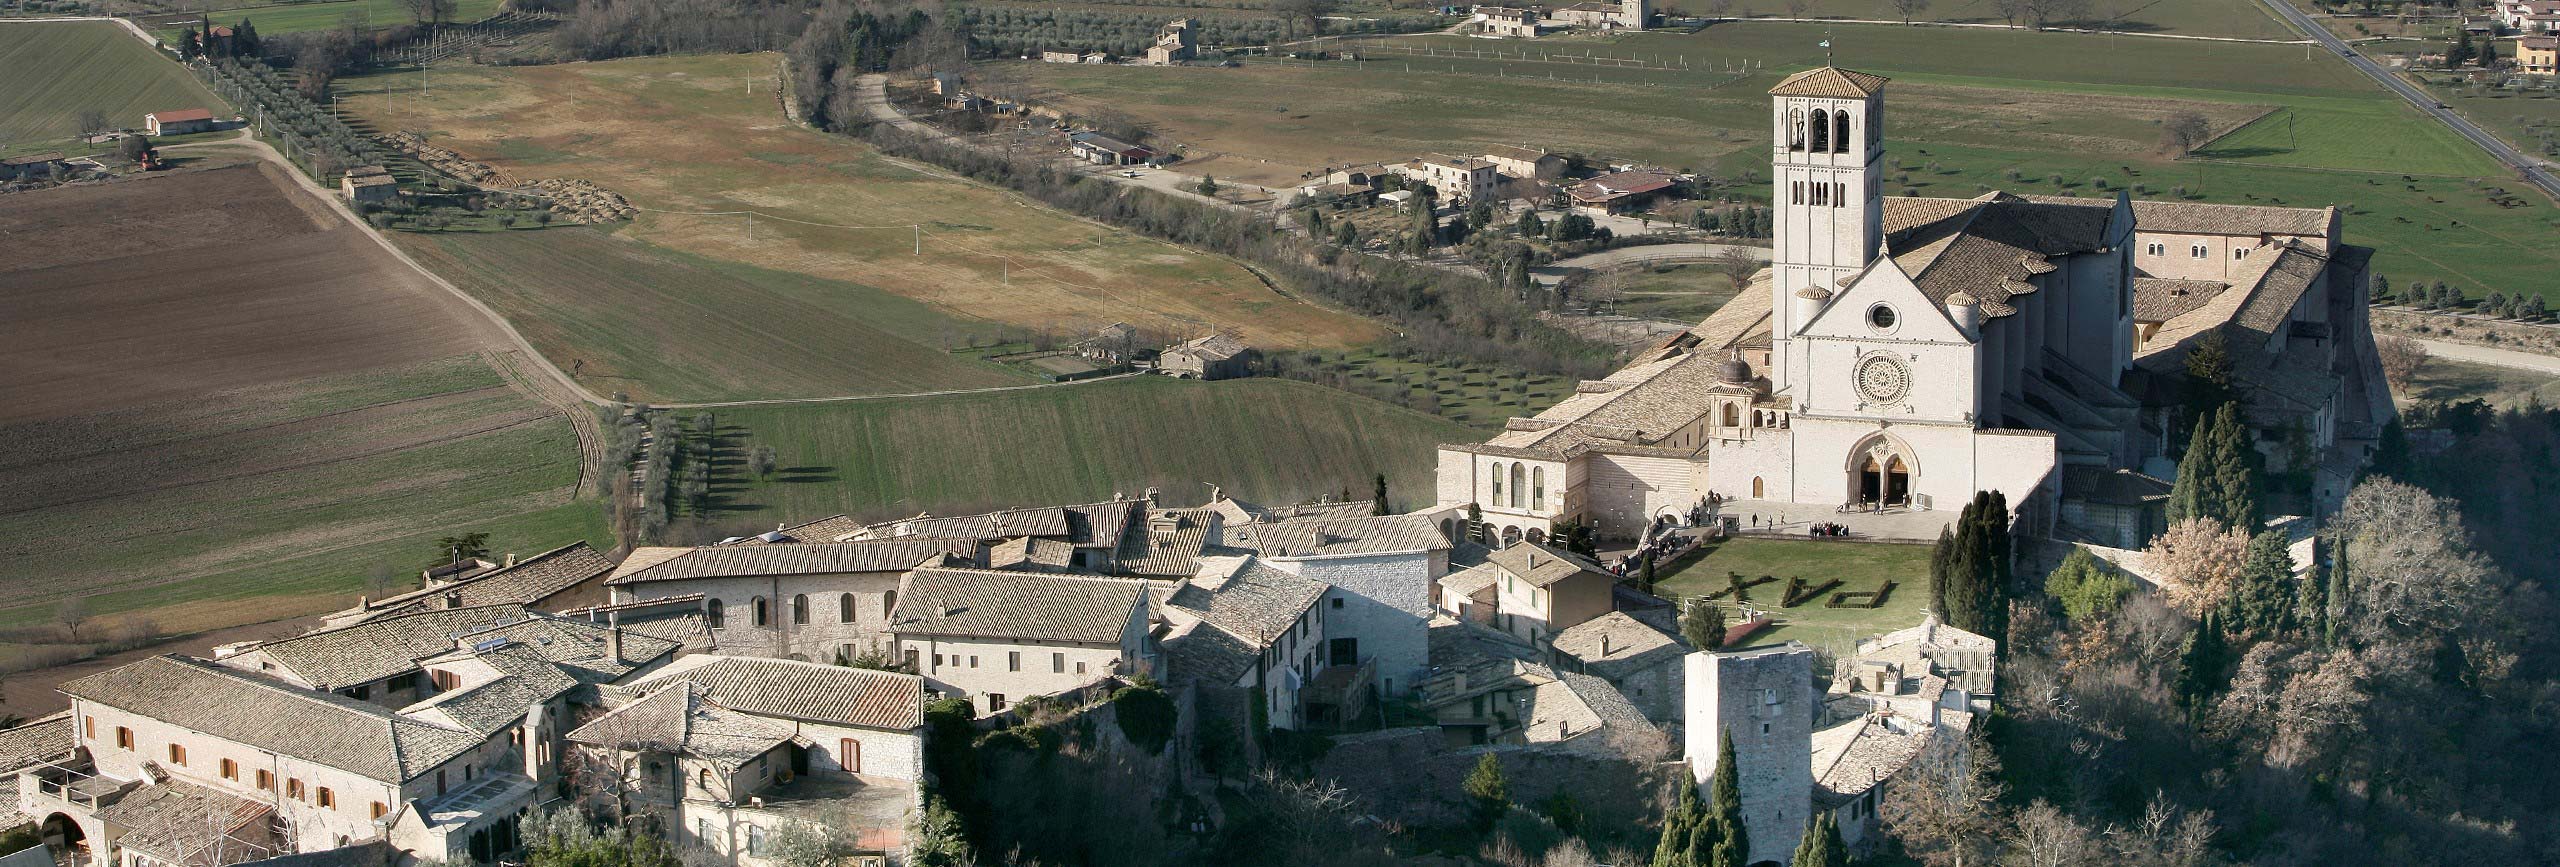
x=1861, y=567
x=1262, y=439
x=2199, y=17
x=1475, y=395
x=360, y=474
x=272, y=20
x=663, y=326
x=1970, y=111
x=1687, y=292
x=89, y=65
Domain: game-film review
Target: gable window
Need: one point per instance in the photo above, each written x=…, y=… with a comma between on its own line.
x=2198, y=251
x=844, y=608
x=231, y=770
x=178, y=755
x=799, y=609
x=124, y=738
x=762, y=615
x=711, y=611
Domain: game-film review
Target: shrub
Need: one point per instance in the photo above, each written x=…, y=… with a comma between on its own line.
x=1146, y=715
x=2087, y=586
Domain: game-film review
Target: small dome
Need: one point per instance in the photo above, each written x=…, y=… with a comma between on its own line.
x=1963, y=299
x=1816, y=293
x=1736, y=371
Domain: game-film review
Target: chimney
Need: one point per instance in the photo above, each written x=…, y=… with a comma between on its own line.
x=511, y=559
x=452, y=599
x=942, y=611
x=1216, y=493
x=1152, y=496
x=1604, y=645
x=613, y=637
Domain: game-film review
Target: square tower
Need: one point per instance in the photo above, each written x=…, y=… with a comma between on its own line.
x=1826, y=158
x=1764, y=696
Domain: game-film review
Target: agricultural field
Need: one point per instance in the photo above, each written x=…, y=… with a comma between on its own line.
x=660, y=325
x=686, y=136
x=276, y=19
x=1972, y=111
x=88, y=65
x=1262, y=439
x=1861, y=567
x=243, y=410
x=2189, y=17
x=1478, y=396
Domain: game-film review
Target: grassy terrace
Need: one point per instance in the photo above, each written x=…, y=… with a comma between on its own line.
x=1861, y=567
x=281, y=18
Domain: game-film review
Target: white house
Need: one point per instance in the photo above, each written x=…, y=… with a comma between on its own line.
x=1382, y=567
x=998, y=637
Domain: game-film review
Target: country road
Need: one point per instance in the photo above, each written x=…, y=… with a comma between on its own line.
x=1554, y=272
x=2492, y=356
x=2535, y=172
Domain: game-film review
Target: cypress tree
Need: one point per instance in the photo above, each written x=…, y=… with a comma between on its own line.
x=2233, y=495
x=2209, y=380
x=2200, y=663
x=2186, y=495
x=1678, y=825
x=2264, y=601
x=2312, y=610
x=1724, y=810
x=1488, y=791
x=1822, y=846
x=1381, y=507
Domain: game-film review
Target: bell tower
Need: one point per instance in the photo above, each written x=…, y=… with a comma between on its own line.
x=1826, y=161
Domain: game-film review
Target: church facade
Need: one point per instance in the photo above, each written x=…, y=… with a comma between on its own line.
x=1901, y=353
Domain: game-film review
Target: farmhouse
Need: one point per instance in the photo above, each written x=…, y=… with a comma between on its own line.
x=1523, y=162
x=180, y=122
x=2537, y=55
x=1622, y=192
x=1901, y=354
x=1458, y=180
x=369, y=184
x=1216, y=356
x=1176, y=42
x=996, y=637
x=2530, y=16
x=1103, y=150
x=1508, y=21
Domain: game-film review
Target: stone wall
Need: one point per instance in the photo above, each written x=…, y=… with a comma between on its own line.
x=1412, y=775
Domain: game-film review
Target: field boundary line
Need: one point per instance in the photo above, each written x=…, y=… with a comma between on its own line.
x=129, y=26
x=952, y=392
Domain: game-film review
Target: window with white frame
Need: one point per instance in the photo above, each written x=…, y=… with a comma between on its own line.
x=2198, y=251
x=2157, y=249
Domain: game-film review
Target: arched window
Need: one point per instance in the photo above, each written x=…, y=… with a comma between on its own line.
x=1538, y=488
x=1518, y=476
x=799, y=609
x=1821, y=131
x=1732, y=415
x=844, y=608
x=1795, y=129
x=888, y=603
x=1756, y=492
x=705, y=779
x=711, y=612
x=762, y=615
x=1497, y=483
x=1840, y=132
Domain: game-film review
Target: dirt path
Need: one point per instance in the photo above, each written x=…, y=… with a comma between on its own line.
x=2507, y=358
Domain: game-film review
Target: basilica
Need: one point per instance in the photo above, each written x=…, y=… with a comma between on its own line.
x=1901, y=353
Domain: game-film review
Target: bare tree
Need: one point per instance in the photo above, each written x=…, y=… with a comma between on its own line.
x=2010, y=10
x=1737, y=263
x=2183, y=131
x=429, y=11
x=611, y=760
x=1719, y=9
x=1910, y=8
x=2402, y=358
x=92, y=122
x=1308, y=12
x=2043, y=836
x=2045, y=13
x=71, y=614
x=1946, y=808
x=1797, y=8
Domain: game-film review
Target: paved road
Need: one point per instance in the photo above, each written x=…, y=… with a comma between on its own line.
x=1550, y=274
x=2534, y=171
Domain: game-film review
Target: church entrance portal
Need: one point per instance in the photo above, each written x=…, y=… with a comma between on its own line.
x=1880, y=478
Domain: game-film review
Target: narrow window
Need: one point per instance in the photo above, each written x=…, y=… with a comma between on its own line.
x=231, y=770
x=711, y=611
x=889, y=600
x=799, y=609
x=755, y=840
x=704, y=780
x=844, y=608
x=1057, y=663
x=328, y=798
x=973, y=660
x=1497, y=483
x=266, y=781
x=1013, y=660
x=1518, y=476
x=1795, y=129
x=124, y=738
x=1538, y=488
x=849, y=755
x=89, y=727
x=1821, y=131
x=1839, y=194
x=761, y=616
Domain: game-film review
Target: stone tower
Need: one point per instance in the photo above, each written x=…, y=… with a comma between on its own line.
x=1826, y=160
x=1764, y=695
x=1634, y=14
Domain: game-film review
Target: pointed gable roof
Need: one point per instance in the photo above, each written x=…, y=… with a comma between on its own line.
x=1831, y=82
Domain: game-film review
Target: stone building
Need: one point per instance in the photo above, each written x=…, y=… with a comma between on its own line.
x=1643, y=660
x=1177, y=42
x=1762, y=697
x=1382, y=569
x=997, y=637
x=1900, y=354
x=810, y=601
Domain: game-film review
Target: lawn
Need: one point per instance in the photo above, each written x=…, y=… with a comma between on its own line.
x=278, y=19
x=1685, y=292
x=685, y=136
x=2443, y=379
x=1262, y=439
x=1860, y=566
x=85, y=65
x=664, y=326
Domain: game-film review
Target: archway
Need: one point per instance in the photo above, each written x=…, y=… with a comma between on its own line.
x=1536, y=535
x=1881, y=469
x=1758, y=489
x=1510, y=536
x=62, y=835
